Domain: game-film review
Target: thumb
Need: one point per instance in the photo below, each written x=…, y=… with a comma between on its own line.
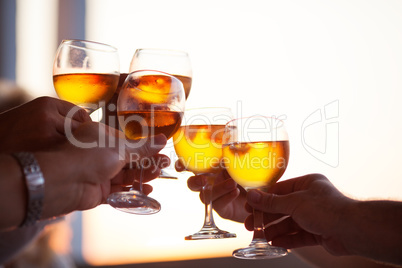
x=271, y=203
x=145, y=147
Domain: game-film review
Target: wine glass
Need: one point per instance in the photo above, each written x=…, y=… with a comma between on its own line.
x=173, y=62
x=198, y=143
x=149, y=103
x=256, y=154
x=86, y=73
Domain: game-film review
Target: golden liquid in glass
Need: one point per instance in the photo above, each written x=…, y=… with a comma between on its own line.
x=186, y=83
x=142, y=124
x=151, y=89
x=199, y=147
x=86, y=88
x=256, y=164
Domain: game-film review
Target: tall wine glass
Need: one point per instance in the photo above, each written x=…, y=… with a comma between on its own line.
x=173, y=62
x=198, y=143
x=86, y=73
x=149, y=103
x=256, y=154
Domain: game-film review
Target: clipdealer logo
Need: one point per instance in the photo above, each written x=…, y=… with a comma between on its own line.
x=320, y=134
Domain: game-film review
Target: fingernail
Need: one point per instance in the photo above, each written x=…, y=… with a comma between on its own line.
x=254, y=196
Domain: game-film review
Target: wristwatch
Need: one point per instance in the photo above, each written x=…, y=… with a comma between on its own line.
x=35, y=184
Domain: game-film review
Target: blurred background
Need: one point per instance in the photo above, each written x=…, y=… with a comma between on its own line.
x=331, y=69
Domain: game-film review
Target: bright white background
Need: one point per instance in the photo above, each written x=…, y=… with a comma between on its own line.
x=286, y=58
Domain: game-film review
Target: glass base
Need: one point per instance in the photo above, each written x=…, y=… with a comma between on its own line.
x=210, y=233
x=165, y=175
x=134, y=202
x=259, y=249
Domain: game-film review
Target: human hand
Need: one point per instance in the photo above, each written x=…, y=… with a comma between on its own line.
x=37, y=125
x=129, y=176
x=79, y=178
x=228, y=198
x=316, y=211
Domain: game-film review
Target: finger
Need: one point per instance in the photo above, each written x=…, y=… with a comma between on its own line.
x=249, y=222
x=153, y=147
x=128, y=175
x=223, y=188
x=268, y=219
x=65, y=125
x=119, y=188
x=151, y=167
x=299, y=239
x=222, y=202
x=150, y=174
x=179, y=166
x=295, y=184
x=138, y=149
x=155, y=161
x=132, y=172
x=195, y=183
x=225, y=174
x=146, y=188
x=67, y=109
x=284, y=227
x=162, y=161
x=221, y=176
x=248, y=208
x=69, y=118
x=271, y=203
x=81, y=116
x=125, y=177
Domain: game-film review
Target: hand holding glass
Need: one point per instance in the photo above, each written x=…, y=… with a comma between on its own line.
x=198, y=143
x=256, y=154
x=149, y=103
x=174, y=62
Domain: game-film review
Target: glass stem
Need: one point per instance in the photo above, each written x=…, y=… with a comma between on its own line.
x=207, y=192
x=259, y=235
x=133, y=188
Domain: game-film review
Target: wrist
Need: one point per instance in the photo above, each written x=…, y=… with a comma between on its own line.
x=349, y=228
x=35, y=186
x=377, y=230
x=13, y=193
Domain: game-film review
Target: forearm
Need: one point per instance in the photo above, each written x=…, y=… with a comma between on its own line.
x=12, y=193
x=376, y=231
x=317, y=256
